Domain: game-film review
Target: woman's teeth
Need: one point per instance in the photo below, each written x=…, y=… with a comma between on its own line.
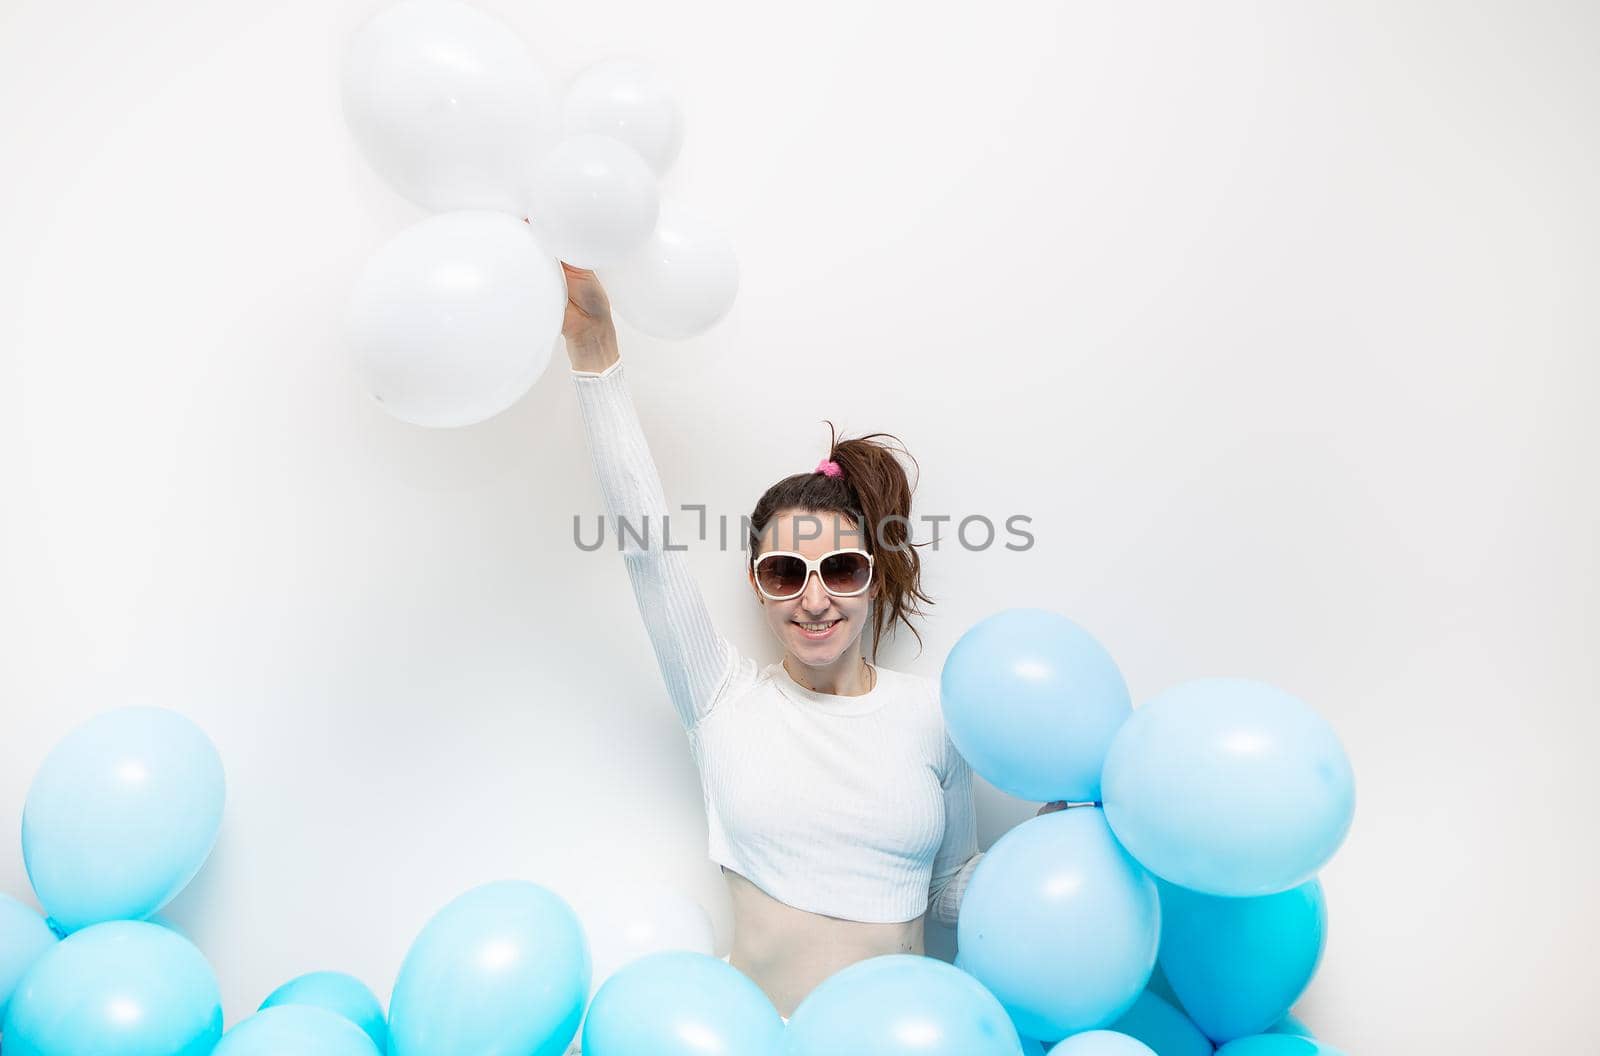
x=815, y=628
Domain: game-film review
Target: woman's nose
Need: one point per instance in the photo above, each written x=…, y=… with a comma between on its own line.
x=815, y=598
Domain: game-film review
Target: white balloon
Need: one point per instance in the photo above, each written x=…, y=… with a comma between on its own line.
x=625, y=920
x=681, y=283
x=448, y=104
x=628, y=100
x=593, y=200
x=453, y=319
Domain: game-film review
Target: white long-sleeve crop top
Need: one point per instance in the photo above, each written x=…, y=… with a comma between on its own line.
x=857, y=807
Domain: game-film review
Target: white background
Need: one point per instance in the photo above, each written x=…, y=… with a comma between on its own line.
x=1278, y=320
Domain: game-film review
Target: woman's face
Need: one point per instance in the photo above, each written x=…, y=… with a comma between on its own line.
x=814, y=533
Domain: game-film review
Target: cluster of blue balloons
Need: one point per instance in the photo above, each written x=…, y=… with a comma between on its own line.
x=1198, y=825
x=1174, y=908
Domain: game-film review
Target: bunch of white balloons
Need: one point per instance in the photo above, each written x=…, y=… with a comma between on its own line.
x=454, y=318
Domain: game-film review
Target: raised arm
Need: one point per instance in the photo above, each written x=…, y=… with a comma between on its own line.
x=694, y=659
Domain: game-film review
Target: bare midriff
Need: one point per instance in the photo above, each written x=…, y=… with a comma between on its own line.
x=788, y=951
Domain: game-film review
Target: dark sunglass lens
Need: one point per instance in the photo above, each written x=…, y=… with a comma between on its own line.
x=780, y=575
x=845, y=572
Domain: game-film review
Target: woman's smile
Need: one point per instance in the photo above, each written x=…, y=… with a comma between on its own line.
x=817, y=630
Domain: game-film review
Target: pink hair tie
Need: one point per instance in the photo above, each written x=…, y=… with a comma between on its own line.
x=828, y=469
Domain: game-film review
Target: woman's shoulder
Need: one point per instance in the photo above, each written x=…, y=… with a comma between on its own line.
x=923, y=687
x=922, y=693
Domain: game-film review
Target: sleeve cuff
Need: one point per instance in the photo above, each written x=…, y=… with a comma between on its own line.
x=944, y=903
x=612, y=369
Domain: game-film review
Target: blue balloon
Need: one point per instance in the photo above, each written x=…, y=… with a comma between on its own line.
x=1238, y=964
x=121, y=816
x=126, y=987
x=1291, y=1025
x=1162, y=1027
x=1060, y=924
x=502, y=968
x=301, y=1030
x=1032, y=701
x=24, y=937
x=1033, y=1047
x=1230, y=787
x=900, y=1004
x=680, y=1003
x=342, y=994
x=1277, y=1045
x=1101, y=1043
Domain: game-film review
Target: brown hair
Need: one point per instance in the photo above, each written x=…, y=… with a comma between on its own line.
x=873, y=491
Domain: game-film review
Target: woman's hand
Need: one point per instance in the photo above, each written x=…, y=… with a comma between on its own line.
x=587, y=327
x=588, y=308
x=1051, y=808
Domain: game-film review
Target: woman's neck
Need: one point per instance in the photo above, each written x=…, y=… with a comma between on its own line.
x=847, y=676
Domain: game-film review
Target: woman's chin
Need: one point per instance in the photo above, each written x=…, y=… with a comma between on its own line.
x=814, y=653
x=809, y=653
x=819, y=654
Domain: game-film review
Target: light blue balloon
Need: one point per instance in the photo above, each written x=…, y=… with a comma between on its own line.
x=1032, y=701
x=900, y=1004
x=1238, y=964
x=24, y=937
x=122, y=814
x=1230, y=787
x=681, y=1003
x=1100, y=1043
x=503, y=968
x=1277, y=1045
x=126, y=987
x=300, y=1030
x=1060, y=924
x=1291, y=1025
x=1160, y=1026
x=342, y=994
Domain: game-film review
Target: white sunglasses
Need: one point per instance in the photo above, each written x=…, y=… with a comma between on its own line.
x=783, y=574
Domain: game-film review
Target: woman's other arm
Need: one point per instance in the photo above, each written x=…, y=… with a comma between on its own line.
x=951, y=872
x=958, y=854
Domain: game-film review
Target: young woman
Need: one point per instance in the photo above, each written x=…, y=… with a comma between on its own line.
x=838, y=808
